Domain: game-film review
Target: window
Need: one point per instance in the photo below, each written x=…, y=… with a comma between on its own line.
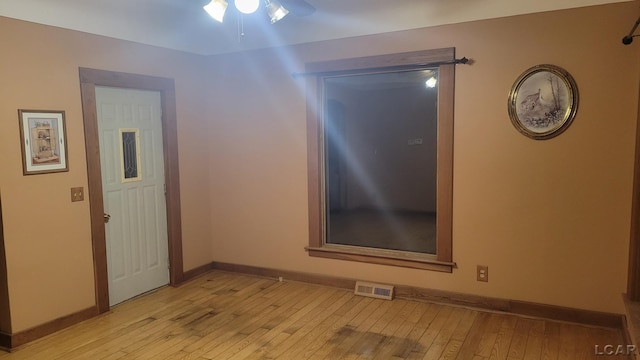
x=130, y=155
x=380, y=156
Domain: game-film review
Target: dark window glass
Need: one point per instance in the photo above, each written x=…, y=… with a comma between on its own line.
x=129, y=155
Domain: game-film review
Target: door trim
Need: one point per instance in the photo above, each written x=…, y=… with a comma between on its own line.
x=633, y=275
x=89, y=79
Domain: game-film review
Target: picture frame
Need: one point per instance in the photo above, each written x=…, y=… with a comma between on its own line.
x=543, y=101
x=43, y=141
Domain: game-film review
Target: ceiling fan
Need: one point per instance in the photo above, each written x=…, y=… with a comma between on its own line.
x=276, y=9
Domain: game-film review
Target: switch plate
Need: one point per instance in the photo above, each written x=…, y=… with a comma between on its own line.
x=77, y=194
x=483, y=273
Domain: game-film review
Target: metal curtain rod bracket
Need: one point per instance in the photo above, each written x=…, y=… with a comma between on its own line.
x=410, y=67
x=629, y=38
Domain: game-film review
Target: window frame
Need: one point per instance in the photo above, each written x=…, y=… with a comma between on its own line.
x=443, y=59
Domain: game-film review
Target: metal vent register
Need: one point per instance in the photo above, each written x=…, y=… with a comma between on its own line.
x=379, y=291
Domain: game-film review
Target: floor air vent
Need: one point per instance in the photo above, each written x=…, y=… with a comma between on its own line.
x=374, y=290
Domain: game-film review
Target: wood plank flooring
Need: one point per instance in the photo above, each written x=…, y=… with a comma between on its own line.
x=229, y=316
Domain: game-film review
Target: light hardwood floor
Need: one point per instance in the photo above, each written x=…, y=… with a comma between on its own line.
x=229, y=316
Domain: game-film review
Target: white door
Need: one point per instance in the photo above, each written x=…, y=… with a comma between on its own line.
x=132, y=162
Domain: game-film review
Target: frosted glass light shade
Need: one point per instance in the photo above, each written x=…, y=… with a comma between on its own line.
x=216, y=9
x=247, y=6
x=276, y=11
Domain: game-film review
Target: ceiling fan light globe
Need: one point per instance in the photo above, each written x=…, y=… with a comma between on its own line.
x=276, y=11
x=247, y=6
x=216, y=9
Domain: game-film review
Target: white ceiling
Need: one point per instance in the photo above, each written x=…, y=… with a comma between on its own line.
x=183, y=25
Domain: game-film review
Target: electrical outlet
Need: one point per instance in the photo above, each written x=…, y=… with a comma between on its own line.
x=483, y=273
x=77, y=194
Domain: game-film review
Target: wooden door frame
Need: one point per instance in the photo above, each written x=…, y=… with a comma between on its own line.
x=633, y=278
x=89, y=79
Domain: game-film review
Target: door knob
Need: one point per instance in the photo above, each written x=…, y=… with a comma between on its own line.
x=107, y=217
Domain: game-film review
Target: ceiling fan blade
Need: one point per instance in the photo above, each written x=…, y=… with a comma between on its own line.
x=298, y=7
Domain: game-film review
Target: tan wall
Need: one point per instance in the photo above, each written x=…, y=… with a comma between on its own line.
x=550, y=218
x=47, y=238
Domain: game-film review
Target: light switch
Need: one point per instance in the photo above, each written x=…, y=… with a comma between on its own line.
x=77, y=194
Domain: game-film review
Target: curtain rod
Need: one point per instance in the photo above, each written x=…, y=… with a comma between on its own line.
x=629, y=38
x=410, y=67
